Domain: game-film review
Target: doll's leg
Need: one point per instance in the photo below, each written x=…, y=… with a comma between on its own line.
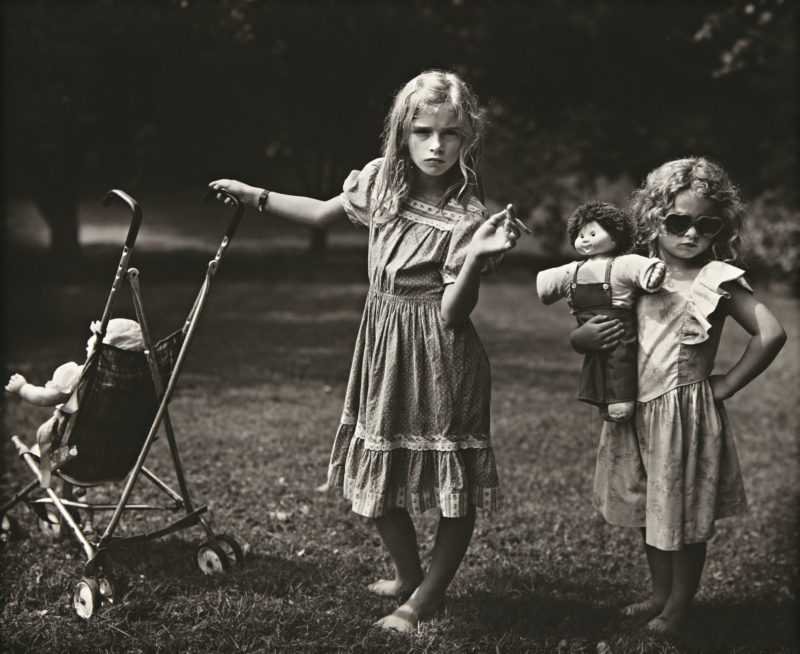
x=687, y=568
x=620, y=411
x=452, y=539
x=398, y=534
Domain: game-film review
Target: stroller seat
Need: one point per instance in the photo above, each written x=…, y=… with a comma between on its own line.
x=117, y=403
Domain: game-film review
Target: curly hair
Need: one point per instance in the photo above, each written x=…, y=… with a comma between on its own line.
x=431, y=89
x=610, y=217
x=651, y=202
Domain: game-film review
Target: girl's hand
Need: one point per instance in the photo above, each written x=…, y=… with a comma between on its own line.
x=247, y=195
x=16, y=382
x=497, y=235
x=656, y=276
x=598, y=334
x=720, y=387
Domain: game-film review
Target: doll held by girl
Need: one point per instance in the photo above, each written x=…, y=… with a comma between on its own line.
x=414, y=432
x=673, y=471
x=605, y=283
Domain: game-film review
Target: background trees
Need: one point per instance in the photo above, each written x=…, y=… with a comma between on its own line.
x=582, y=95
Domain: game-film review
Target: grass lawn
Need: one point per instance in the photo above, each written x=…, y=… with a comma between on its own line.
x=255, y=414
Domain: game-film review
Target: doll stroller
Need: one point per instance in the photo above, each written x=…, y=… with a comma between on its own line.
x=120, y=403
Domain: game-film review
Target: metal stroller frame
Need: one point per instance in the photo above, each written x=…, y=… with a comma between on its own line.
x=219, y=551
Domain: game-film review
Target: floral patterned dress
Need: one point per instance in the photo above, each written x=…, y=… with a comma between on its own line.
x=414, y=431
x=675, y=470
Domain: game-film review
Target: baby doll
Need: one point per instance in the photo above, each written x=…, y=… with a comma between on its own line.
x=120, y=332
x=604, y=283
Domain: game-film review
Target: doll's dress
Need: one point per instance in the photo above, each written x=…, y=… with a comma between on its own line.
x=675, y=469
x=606, y=377
x=414, y=431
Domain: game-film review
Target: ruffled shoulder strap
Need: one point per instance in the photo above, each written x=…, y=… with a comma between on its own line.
x=704, y=297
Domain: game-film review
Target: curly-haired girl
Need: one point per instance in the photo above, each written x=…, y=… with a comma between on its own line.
x=677, y=471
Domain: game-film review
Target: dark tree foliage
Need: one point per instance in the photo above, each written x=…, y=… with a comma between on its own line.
x=292, y=93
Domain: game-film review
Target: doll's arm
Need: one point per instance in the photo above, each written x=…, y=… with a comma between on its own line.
x=552, y=284
x=38, y=395
x=766, y=340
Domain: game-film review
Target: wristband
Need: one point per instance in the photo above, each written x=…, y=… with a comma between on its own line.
x=262, y=201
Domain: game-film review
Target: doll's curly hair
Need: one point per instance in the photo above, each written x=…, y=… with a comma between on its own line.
x=610, y=217
x=653, y=200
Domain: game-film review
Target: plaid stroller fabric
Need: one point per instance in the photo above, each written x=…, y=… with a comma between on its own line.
x=117, y=403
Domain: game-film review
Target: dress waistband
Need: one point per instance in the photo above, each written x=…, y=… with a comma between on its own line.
x=414, y=299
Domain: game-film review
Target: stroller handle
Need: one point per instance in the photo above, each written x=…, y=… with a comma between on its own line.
x=237, y=210
x=136, y=213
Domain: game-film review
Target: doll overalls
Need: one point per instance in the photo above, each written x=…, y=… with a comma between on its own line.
x=606, y=377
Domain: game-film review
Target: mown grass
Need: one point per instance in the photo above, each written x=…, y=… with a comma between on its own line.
x=255, y=414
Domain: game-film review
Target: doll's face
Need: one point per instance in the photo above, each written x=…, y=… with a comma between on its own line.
x=594, y=239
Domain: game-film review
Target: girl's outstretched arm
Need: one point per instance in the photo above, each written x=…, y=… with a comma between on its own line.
x=498, y=234
x=298, y=209
x=767, y=339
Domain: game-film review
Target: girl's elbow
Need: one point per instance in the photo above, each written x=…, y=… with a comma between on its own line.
x=451, y=319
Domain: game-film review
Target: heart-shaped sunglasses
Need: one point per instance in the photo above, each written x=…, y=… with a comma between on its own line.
x=680, y=223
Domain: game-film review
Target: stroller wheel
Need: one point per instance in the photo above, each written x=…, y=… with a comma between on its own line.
x=52, y=525
x=86, y=597
x=108, y=588
x=231, y=548
x=8, y=528
x=211, y=558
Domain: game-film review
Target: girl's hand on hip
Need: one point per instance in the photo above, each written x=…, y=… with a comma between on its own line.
x=16, y=382
x=497, y=235
x=244, y=192
x=720, y=387
x=598, y=334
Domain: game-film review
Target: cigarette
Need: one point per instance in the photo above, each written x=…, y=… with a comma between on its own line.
x=519, y=223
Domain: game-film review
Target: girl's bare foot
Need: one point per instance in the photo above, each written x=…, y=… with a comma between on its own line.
x=405, y=618
x=392, y=588
x=646, y=608
x=667, y=623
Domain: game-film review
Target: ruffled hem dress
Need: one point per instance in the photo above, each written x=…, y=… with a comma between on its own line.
x=674, y=469
x=415, y=430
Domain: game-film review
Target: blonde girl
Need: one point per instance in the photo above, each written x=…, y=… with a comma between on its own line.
x=414, y=433
x=675, y=471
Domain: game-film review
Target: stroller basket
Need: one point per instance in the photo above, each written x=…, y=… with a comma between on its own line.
x=117, y=403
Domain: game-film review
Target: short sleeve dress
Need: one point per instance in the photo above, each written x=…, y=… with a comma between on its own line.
x=675, y=471
x=414, y=431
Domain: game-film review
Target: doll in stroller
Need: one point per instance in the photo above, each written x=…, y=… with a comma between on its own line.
x=109, y=411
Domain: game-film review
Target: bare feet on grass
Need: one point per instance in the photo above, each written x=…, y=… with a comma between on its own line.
x=646, y=608
x=396, y=588
x=667, y=623
x=407, y=617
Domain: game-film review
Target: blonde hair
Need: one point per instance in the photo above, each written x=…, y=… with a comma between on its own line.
x=650, y=203
x=431, y=89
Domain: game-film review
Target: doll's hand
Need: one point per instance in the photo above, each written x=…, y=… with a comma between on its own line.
x=720, y=388
x=16, y=383
x=497, y=235
x=598, y=334
x=656, y=276
x=244, y=192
